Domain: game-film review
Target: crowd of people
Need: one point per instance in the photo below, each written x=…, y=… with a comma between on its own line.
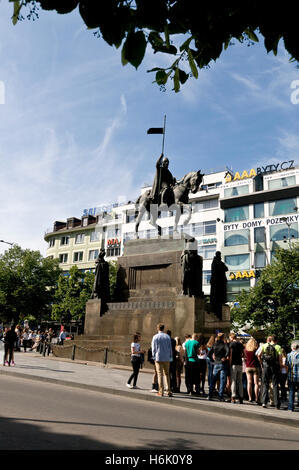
x=18, y=338
x=226, y=368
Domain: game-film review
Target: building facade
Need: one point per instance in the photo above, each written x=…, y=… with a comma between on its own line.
x=245, y=215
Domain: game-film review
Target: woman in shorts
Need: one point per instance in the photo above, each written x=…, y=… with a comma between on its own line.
x=252, y=369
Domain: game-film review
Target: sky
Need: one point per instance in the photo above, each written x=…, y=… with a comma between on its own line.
x=73, y=121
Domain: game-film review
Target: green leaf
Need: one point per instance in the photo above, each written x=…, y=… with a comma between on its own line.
x=183, y=76
x=161, y=77
x=176, y=80
x=16, y=10
x=134, y=48
x=192, y=64
x=251, y=34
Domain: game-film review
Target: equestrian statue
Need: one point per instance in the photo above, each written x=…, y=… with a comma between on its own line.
x=167, y=194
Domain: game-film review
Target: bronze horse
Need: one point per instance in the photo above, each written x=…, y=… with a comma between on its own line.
x=189, y=183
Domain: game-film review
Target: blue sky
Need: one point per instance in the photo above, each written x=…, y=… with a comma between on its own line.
x=73, y=124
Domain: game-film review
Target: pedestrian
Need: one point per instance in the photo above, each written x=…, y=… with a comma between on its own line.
x=135, y=360
x=179, y=352
x=236, y=353
x=10, y=340
x=210, y=360
x=270, y=359
x=192, y=350
x=220, y=354
x=252, y=370
x=162, y=354
x=172, y=366
x=283, y=376
x=292, y=363
x=25, y=339
x=202, y=356
x=155, y=376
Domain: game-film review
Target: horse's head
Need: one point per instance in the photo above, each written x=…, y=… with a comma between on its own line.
x=195, y=181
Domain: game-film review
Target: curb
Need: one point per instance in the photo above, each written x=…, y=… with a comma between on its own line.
x=192, y=403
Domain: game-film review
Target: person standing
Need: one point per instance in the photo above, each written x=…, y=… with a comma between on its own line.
x=172, y=365
x=236, y=354
x=162, y=354
x=179, y=360
x=220, y=354
x=135, y=360
x=10, y=340
x=252, y=370
x=192, y=350
x=270, y=358
x=292, y=363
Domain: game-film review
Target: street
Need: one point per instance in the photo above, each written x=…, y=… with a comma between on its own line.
x=43, y=416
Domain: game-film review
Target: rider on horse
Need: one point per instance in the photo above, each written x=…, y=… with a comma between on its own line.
x=162, y=189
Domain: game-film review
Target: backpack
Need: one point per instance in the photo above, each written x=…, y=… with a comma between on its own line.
x=270, y=355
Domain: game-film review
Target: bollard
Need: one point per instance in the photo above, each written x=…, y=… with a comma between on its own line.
x=73, y=352
x=106, y=356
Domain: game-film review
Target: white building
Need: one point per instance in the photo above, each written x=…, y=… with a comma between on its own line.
x=245, y=215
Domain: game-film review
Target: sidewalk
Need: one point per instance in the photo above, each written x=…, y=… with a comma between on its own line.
x=112, y=379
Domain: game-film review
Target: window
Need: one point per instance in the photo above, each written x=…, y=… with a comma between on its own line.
x=78, y=256
x=113, y=251
x=237, y=237
x=205, y=205
x=236, y=213
x=94, y=236
x=64, y=240
x=85, y=222
x=259, y=235
x=93, y=254
x=260, y=259
x=207, y=251
x=51, y=242
x=79, y=238
x=63, y=258
x=282, y=182
x=204, y=228
x=113, y=232
x=206, y=277
x=236, y=191
x=259, y=212
x=282, y=232
x=283, y=206
x=234, y=288
x=129, y=236
x=130, y=217
x=237, y=262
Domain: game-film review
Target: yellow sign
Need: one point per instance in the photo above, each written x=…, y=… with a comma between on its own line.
x=242, y=275
x=237, y=176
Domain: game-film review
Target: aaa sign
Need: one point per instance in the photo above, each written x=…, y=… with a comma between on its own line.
x=242, y=275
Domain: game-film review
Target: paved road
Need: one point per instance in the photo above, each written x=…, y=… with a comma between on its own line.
x=45, y=416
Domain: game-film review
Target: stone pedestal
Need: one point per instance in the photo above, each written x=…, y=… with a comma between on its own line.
x=149, y=287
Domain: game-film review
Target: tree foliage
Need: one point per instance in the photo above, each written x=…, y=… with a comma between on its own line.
x=194, y=33
x=273, y=303
x=27, y=284
x=71, y=295
x=74, y=290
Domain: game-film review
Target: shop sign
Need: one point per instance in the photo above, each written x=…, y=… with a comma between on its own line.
x=113, y=242
x=260, y=223
x=242, y=275
x=288, y=165
x=206, y=241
